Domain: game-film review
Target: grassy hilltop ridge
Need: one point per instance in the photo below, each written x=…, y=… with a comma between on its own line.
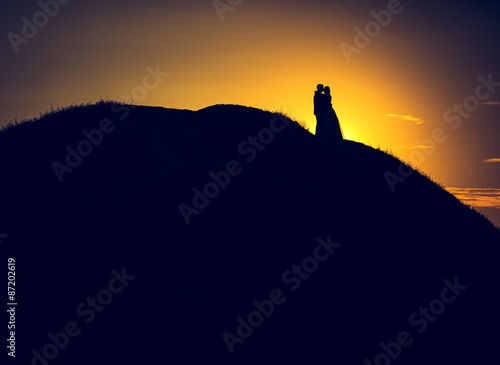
x=209, y=210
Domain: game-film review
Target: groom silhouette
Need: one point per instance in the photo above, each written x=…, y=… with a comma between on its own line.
x=319, y=107
x=327, y=122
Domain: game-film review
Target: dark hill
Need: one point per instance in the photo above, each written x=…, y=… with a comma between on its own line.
x=120, y=208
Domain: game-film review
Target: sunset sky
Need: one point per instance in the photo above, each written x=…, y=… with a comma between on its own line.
x=394, y=89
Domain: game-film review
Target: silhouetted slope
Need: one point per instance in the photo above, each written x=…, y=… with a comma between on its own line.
x=120, y=208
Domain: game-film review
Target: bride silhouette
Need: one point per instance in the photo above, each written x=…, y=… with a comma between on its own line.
x=328, y=124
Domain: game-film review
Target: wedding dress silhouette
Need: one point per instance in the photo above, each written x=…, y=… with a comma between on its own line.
x=328, y=123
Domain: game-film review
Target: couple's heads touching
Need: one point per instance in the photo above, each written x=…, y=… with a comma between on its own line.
x=321, y=89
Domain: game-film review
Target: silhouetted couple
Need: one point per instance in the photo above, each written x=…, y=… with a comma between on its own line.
x=327, y=121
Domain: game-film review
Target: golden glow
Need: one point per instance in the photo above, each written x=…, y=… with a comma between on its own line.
x=379, y=96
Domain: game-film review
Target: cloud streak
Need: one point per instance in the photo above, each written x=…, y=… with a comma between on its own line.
x=491, y=103
x=407, y=118
x=492, y=160
x=478, y=197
